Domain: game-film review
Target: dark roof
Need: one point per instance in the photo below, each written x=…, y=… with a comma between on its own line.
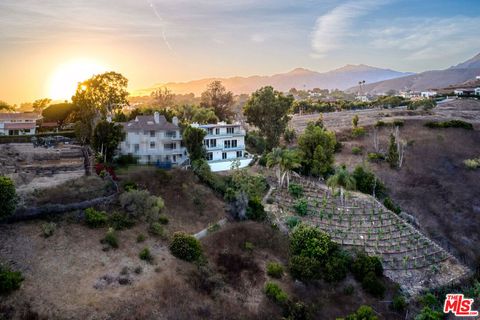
x=148, y=123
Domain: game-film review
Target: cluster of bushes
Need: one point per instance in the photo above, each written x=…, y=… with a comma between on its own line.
x=291, y=309
x=202, y=170
x=376, y=156
x=449, y=124
x=301, y=207
x=358, y=132
x=362, y=313
x=295, y=190
x=8, y=197
x=9, y=280
x=186, y=247
x=472, y=164
x=426, y=104
x=95, y=219
x=357, y=150
x=255, y=142
x=310, y=106
x=367, y=182
x=275, y=293
x=368, y=270
x=289, y=135
x=390, y=205
x=275, y=270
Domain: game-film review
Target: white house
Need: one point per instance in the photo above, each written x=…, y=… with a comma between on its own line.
x=225, y=143
x=18, y=124
x=362, y=98
x=152, y=139
x=477, y=91
x=428, y=94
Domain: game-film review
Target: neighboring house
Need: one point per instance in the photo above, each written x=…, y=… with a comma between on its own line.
x=18, y=124
x=225, y=143
x=464, y=92
x=428, y=94
x=152, y=139
x=477, y=91
x=362, y=98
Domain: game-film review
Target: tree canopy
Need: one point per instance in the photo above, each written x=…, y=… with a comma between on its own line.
x=217, y=97
x=193, y=139
x=8, y=197
x=106, y=137
x=5, y=106
x=267, y=109
x=57, y=112
x=163, y=97
x=40, y=104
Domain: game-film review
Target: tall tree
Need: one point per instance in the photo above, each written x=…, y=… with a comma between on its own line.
x=392, y=154
x=268, y=109
x=106, y=138
x=5, y=106
x=40, y=104
x=58, y=113
x=163, y=97
x=317, y=147
x=342, y=179
x=96, y=97
x=193, y=139
x=217, y=97
x=8, y=197
x=288, y=162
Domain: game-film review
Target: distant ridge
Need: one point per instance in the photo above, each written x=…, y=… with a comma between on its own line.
x=299, y=78
x=454, y=75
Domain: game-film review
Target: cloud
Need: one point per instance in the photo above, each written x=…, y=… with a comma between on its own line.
x=257, y=38
x=332, y=28
x=424, y=38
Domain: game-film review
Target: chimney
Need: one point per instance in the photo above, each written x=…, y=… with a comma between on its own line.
x=156, y=117
x=175, y=121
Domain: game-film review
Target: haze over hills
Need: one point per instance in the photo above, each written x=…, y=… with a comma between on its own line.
x=454, y=75
x=299, y=78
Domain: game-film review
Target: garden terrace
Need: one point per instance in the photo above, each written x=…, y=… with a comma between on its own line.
x=361, y=222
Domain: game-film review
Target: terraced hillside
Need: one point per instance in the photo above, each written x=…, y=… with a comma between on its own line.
x=409, y=257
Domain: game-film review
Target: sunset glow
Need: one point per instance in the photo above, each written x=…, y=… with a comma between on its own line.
x=65, y=79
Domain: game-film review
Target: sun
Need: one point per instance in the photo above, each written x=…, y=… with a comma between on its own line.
x=66, y=77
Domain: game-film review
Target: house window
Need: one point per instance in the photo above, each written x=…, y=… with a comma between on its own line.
x=224, y=155
x=227, y=144
x=209, y=156
x=152, y=145
x=171, y=134
x=230, y=130
x=152, y=133
x=170, y=146
x=209, y=130
x=234, y=143
x=213, y=143
x=217, y=131
x=239, y=154
x=136, y=147
x=206, y=142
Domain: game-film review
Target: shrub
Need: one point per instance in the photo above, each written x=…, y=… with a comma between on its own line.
x=163, y=219
x=357, y=150
x=367, y=182
x=375, y=156
x=9, y=280
x=472, y=164
x=48, y=229
x=398, y=303
x=141, y=204
x=301, y=207
x=295, y=190
x=449, y=124
x=255, y=142
x=255, y=210
x=141, y=238
x=275, y=270
x=275, y=293
x=248, y=246
x=358, y=132
x=145, y=255
x=380, y=124
x=363, y=264
x=292, y=222
x=362, y=313
x=125, y=160
x=8, y=197
x=311, y=242
x=289, y=134
x=95, y=219
x=349, y=290
x=130, y=185
x=373, y=285
x=262, y=161
x=121, y=221
x=304, y=268
x=336, y=266
x=185, y=247
x=110, y=238
x=398, y=123
x=429, y=300
x=429, y=314
x=156, y=229
x=390, y=205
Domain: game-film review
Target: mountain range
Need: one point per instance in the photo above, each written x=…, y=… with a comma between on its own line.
x=377, y=80
x=299, y=78
x=435, y=79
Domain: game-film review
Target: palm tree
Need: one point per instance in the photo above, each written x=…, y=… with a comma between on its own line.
x=289, y=160
x=273, y=161
x=342, y=179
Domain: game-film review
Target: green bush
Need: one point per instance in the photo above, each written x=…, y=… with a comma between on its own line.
x=398, y=123
x=9, y=280
x=163, y=219
x=130, y=185
x=311, y=242
x=141, y=238
x=301, y=207
x=295, y=190
x=364, y=264
x=121, y=221
x=304, y=268
x=255, y=210
x=255, y=142
x=449, y=124
x=48, y=229
x=358, y=132
x=472, y=164
x=248, y=246
x=398, y=303
x=289, y=134
x=362, y=313
x=157, y=229
x=367, y=182
x=145, y=255
x=275, y=270
x=380, y=124
x=429, y=300
x=429, y=314
x=336, y=266
x=141, y=204
x=375, y=156
x=262, y=161
x=110, y=238
x=95, y=219
x=373, y=285
x=390, y=205
x=292, y=222
x=275, y=293
x=185, y=247
x=357, y=150
x=8, y=197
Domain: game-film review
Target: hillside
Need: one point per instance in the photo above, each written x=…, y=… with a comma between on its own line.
x=429, y=79
x=299, y=78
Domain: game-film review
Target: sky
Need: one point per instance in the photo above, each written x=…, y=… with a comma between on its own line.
x=158, y=41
